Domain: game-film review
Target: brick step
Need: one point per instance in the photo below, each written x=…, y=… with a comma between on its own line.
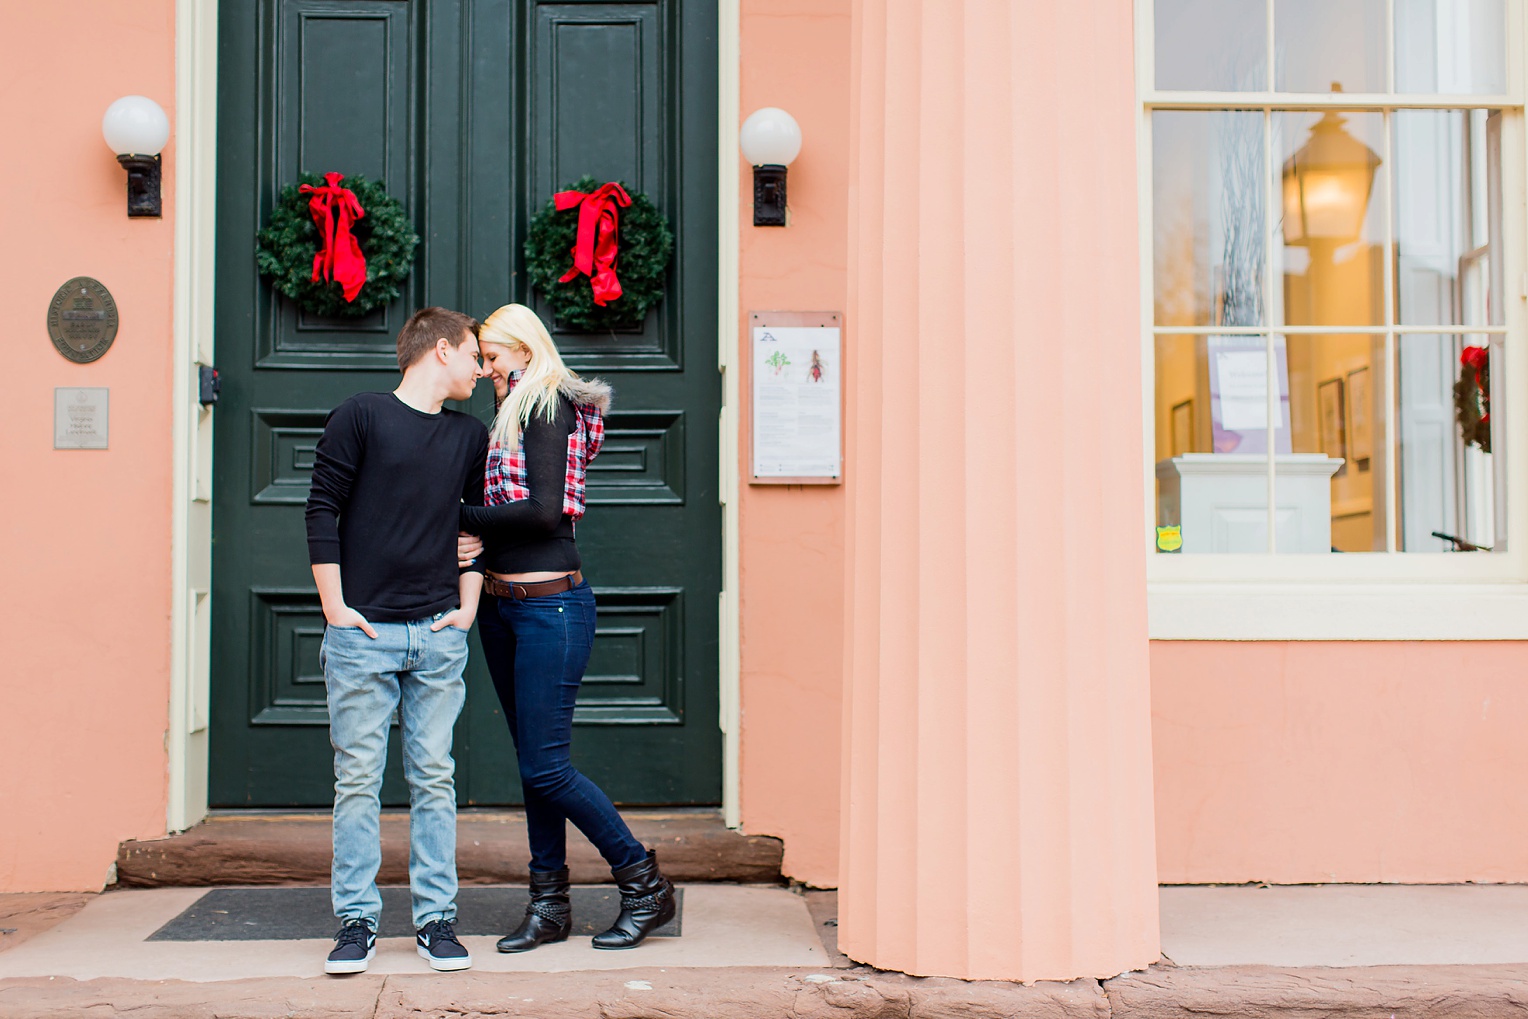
x=290, y=848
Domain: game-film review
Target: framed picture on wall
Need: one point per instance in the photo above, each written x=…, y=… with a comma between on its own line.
x=1360, y=418
x=1333, y=422
x=1183, y=427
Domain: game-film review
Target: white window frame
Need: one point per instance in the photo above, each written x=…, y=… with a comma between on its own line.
x=1368, y=596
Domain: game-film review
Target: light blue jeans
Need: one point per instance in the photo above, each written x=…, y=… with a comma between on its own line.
x=419, y=674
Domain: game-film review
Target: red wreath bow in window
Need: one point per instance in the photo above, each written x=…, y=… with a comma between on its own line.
x=595, y=249
x=1477, y=358
x=335, y=210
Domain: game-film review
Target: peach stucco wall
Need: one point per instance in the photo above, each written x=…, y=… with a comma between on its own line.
x=1313, y=762
x=795, y=55
x=86, y=589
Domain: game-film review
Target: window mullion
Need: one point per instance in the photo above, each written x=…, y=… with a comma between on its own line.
x=1333, y=330
x=1392, y=424
x=1274, y=388
x=1390, y=46
x=1358, y=101
x=1270, y=223
x=1271, y=80
x=1145, y=192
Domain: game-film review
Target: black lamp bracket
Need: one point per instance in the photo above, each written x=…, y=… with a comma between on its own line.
x=769, y=195
x=142, y=185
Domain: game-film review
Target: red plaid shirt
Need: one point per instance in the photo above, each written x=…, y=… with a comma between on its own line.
x=506, y=479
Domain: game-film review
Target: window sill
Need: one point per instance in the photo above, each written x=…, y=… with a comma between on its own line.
x=1397, y=611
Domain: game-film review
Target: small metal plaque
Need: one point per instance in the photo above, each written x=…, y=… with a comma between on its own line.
x=82, y=319
x=80, y=418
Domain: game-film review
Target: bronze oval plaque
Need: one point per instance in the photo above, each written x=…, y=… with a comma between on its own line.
x=82, y=319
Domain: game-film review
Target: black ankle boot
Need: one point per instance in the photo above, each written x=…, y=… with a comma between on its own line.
x=647, y=903
x=549, y=916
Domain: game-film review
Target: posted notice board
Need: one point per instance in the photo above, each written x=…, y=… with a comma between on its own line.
x=798, y=398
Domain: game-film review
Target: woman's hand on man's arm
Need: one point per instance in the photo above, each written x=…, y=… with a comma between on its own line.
x=468, y=548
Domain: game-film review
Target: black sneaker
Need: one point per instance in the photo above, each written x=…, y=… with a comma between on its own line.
x=354, y=947
x=437, y=944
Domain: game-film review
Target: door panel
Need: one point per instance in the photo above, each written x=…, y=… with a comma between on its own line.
x=342, y=88
x=595, y=88
x=472, y=113
x=598, y=108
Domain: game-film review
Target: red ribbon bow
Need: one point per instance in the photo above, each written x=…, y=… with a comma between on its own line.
x=594, y=251
x=335, y=210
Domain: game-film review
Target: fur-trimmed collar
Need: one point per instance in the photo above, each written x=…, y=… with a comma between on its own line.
x=587, y=392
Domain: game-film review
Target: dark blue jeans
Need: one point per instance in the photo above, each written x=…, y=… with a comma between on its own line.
x=537, y=650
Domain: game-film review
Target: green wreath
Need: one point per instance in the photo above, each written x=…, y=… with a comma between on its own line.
x=1472, y=398
x=285, y=250
x=644, y=245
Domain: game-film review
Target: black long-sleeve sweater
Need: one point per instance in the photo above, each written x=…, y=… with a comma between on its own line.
x=532, y=535
x=387, y=484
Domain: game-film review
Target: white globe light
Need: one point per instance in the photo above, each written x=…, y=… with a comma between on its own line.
x=135, y=126
x=770, y=136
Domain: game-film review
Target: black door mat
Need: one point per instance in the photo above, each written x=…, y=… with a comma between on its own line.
x=291, y=914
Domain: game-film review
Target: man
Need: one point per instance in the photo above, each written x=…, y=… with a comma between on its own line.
x=390, y=473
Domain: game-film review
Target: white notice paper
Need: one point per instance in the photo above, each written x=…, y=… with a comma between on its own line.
x=1243, y=384
x=796, y=401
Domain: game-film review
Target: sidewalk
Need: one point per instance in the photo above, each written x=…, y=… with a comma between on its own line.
x=765, y=951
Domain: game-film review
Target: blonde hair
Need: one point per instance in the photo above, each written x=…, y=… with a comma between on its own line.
x=515, y=325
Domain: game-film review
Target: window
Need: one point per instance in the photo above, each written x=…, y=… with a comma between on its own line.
x=1328, y=274
x=1333, y=233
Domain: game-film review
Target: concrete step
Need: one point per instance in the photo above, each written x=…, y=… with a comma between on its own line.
x=225, y=934
x=245, y=848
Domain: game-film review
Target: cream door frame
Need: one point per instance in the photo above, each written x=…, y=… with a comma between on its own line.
x=729, y=74
x=194, y=171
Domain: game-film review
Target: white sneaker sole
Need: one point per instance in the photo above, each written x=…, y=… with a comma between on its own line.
x=444, y=965
x=350, y=966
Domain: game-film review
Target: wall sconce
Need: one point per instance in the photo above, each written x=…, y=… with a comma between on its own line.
x=770, y=138
x=136, y=128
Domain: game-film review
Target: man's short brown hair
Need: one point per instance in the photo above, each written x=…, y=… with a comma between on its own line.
x=425, y=326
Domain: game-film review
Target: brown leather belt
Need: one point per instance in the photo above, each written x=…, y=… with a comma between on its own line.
x=519, y=590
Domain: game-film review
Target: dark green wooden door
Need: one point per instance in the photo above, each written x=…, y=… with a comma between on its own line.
x=473, y=112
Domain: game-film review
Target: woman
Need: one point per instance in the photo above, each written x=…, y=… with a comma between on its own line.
x=537, y=623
